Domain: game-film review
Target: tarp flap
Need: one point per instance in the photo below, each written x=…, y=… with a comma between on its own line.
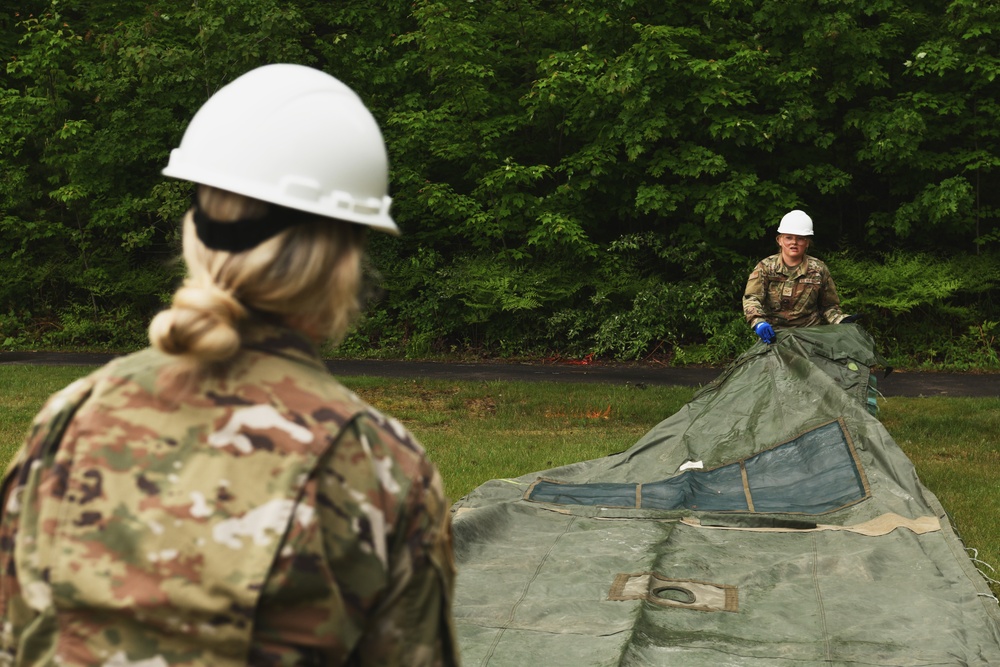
x=804, y=539
x=815, y=473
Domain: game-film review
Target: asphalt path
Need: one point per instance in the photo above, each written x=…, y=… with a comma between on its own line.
x=897, y=383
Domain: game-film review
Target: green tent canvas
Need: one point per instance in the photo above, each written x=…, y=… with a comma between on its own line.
x=772, y=521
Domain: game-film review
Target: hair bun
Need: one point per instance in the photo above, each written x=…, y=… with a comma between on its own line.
x=200, y=324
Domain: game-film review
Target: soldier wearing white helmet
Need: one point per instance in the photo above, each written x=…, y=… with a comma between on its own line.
x=249, y=509
x=791, y=288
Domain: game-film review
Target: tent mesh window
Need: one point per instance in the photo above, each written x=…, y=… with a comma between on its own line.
x=814, y=473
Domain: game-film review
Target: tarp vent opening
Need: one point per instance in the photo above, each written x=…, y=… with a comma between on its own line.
x=814, y=473
x=676, y=593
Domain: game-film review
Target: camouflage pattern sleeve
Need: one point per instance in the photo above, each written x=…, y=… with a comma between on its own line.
x=370, y=580
x=19, y=510
x=754, y=295
x=411, y=622
x=829, y=300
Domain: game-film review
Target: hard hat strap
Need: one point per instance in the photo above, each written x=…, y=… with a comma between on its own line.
x=247, y=233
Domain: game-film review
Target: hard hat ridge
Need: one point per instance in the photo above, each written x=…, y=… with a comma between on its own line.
x=796, y=222
x=292, y=136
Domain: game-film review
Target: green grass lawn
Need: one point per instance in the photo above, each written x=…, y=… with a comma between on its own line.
x=478, y=431
x=23, y=389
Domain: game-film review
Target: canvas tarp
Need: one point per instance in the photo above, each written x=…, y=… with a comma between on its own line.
x=771, y=521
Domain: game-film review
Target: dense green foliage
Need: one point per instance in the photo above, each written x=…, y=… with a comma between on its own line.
x=572, y=177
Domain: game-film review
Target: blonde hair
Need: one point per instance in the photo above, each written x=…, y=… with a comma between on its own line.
x=308, y=276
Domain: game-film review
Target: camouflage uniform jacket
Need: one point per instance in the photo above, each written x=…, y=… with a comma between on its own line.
x=257, y=514
x=802, y=296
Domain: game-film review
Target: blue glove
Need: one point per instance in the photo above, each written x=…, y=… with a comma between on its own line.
x=850, y=318
x=766, y=332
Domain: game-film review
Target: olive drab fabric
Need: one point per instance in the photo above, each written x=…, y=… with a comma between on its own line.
x=802, y=296
x=772, y=521
x=259, y=513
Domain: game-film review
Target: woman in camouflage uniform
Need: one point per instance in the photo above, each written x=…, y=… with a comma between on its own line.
x=219, y=499
x=790, y=288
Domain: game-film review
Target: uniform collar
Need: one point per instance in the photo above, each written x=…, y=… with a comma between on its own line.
x=794, y=271
x=263, y=334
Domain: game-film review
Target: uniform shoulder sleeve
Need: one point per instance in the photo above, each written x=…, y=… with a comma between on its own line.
x=404, y=570
x=828, y=300
x=754, y=295
x=18, y=511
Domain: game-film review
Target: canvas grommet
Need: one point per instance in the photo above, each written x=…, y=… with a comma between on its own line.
x=676, y=593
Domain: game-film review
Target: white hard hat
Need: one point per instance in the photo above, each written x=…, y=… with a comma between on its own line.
x=796, y=222
x=294, y=136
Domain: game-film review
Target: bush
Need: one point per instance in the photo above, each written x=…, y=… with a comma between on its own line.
x=925, y=310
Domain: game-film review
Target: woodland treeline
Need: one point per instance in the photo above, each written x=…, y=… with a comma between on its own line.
x=572, y=177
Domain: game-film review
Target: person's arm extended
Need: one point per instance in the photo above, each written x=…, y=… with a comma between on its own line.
x=753, y=297
x=829, y=301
